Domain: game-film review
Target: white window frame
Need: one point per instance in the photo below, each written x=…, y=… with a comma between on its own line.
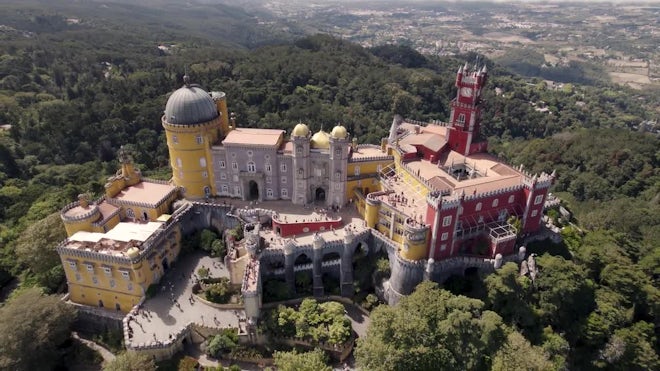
x=205, y=174
x=179, y=163
x=107, y=271
x=283, y=167
x=73, y=265
x=445, y=236
x=269, y=192
x=283, y=180
x=284, y=193
x=222, y=164
x=202, y=161
x=512, y=198
x=224, y=188
x=538, y=199
x=446, y=221
x=478, y=207
x=251, y=167
x=90, y=267
x=199, y=139
x=234, y=165
x=175, y=139
x=443, y=247
x=223, y=175
x=535, y=213
x=496, y=202
x=356, y=170
x=268, y=168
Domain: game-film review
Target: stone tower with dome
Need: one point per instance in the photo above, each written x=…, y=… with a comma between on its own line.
x=194, y=120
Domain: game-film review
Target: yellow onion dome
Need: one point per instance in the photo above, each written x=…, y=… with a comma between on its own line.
x=339, y=132
x=300, y=130
x=320, y=140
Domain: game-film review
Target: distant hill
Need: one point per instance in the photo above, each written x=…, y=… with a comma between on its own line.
x=160, y=21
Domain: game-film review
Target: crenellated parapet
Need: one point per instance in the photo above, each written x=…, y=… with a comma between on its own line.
x=371, y=158
x=497, y=192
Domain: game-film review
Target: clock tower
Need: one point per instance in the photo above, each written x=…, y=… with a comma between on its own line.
x=466, y=111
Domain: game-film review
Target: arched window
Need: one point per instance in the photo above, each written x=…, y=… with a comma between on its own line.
x=496, y=202
x=478, y=207
x=461, y=118
x=202, y=161
x=251, y=167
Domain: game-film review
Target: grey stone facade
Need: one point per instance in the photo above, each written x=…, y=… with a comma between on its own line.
x=303, y=175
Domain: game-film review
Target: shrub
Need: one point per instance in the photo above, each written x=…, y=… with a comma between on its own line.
x=188, y=363
x=383, y=268
x=206, y=239
x=222, y=343
x=203, y=273
x=218, y=248
x=219, y=292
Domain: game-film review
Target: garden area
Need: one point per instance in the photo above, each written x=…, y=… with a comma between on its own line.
x=313, y=322
x=216, y=289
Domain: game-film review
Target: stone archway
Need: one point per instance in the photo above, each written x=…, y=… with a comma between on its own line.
x=319, y=194
x=302, y=259
x=253, y=190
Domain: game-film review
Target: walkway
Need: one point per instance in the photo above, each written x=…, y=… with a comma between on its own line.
x=105, y=353
x=359, y=320
x=165, y=318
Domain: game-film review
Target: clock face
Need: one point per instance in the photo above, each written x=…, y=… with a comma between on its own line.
x=466, y=92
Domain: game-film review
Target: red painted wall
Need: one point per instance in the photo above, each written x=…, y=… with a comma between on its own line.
x=290, y=229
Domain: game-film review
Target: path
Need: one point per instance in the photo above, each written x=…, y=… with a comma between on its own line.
x=359, y=320
x=105, y=353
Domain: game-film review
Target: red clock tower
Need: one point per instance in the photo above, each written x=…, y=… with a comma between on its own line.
x=466, y=112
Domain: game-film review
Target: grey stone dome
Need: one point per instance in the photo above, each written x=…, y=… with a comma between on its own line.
x=190, y=105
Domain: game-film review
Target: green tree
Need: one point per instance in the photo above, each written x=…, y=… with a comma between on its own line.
x=35, y=248
x=315, y=360
x=509, y=295
x=431, y=329
x=218, y=248
x=131, y=361
x=565, y=295
x=207, y=238
x=518, y=354
x=32, y=327
x=222, y=343
x=632, y=348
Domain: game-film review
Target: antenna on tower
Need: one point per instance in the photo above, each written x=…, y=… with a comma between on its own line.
x=186, y=78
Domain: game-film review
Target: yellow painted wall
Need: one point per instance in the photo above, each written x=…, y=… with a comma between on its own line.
x=416, y=250
x=113, y=187
x=371, y=214
x=189, y=172
x=114, y=288
x=366, y=167
x=79, y=225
